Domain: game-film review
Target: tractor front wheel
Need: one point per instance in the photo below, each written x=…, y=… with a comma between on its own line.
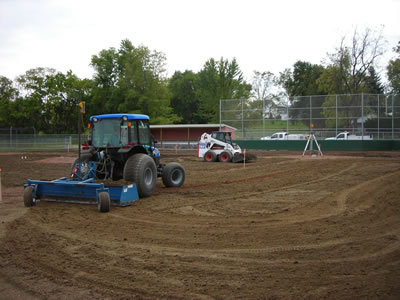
x=141, y=169
x=173, y=175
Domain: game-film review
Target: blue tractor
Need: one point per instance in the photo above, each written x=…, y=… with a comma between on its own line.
x=122, y=147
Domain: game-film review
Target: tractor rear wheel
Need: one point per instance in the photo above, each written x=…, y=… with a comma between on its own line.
x=104, y=203
x=173, y=175
x=141, y=169
x=225, y=156
x=29, y=201
x=210, y=156
x=84, y=159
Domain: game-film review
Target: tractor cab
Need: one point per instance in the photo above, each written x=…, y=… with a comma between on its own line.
x=120, y=130
x=222, y=136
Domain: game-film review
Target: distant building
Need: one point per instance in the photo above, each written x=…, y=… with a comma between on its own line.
x=185, y=133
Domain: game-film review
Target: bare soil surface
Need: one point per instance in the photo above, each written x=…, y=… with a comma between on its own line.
x=282, y=227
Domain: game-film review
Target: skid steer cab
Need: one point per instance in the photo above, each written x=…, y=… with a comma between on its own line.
x=218, y=146
x=122, y=147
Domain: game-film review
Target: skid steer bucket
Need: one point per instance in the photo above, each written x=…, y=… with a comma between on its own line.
x=240, y=157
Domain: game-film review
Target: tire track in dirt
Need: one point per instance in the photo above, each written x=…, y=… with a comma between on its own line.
x=340, y=199
x=229, y=197
x=88, y=256
x=227, y=254
x=343, y=195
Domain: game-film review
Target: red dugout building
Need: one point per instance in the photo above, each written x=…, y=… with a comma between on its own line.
x=186, y=133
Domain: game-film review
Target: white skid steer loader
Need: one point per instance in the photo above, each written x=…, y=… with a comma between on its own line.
x=218, y=146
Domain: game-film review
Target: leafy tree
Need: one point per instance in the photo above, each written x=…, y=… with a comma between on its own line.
x=353, y=65
x=8, y=94
x=219, y=80
x=263, y=84
x=352, y=71
x=30, y=110
x=184, y=100
x=132, y=79
x=104, y=92
x=373, y=82
x=301, y=82
x=265, y=87
x=393, y=72
x=331, y=81
x=50, y=100
x=65, y=92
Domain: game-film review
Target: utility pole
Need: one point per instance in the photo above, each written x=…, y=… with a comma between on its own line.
x=81, y=111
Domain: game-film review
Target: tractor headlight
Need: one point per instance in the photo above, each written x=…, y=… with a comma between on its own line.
x=95, y=120
x=125, y=118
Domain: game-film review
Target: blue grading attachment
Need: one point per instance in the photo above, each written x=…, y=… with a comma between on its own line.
x=85, y=192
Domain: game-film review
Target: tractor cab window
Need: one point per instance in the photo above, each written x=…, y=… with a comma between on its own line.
x=107, y=133
x=133, y=132
x=144, y=132
x=124, y=133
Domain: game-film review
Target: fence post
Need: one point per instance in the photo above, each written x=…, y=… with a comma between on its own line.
x=310, y=113
x=220, y=114
x=263, y=117
x=392, y=117
x=362, y=116
x=336, y=122
x=379, y=134
x=242, y=119
x=287, y=112
x=34, y=137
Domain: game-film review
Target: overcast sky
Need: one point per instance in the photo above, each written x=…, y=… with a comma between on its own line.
x=262, y=35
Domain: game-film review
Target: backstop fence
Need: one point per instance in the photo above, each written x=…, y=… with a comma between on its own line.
x=21, y=139
x=377, y=116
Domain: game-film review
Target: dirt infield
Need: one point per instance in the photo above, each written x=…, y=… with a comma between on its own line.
x=284, y=227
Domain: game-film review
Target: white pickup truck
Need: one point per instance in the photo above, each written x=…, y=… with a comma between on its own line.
x=347, y=136
x=283, y=136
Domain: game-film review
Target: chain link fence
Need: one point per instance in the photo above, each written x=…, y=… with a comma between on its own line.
x=26, y=139
x=22, y=139
x=377, y=116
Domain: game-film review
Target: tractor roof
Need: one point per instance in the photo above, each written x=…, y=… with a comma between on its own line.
x=119, y=116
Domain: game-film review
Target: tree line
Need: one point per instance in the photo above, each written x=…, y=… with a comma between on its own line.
x=132, y=79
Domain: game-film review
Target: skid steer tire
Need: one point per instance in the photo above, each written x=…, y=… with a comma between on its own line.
x=141, y=169
x=104, y=203
x=173, y=175
x=85, y=158
x=225, y=157
x=210, y=156
x=29, y=201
